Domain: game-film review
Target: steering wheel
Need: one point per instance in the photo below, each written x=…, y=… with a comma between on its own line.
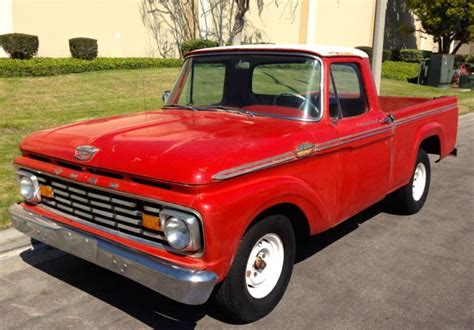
x=300, y=99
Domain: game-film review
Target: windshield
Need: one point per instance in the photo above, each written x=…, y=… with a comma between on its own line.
x=284, y=86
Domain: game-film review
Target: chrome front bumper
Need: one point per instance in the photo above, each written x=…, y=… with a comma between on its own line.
x=184, y=285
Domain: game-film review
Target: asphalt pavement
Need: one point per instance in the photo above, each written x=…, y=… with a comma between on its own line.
x=376, y=270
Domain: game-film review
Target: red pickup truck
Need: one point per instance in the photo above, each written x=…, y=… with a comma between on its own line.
x=256, y=148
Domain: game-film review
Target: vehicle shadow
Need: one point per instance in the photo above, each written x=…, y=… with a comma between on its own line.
x=318, y=242
x=148, y=306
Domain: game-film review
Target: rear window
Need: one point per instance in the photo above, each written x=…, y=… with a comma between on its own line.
x=278, y=78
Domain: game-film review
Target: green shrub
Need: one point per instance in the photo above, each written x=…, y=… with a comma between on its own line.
x=366, y=49
x=395, y=55
x=83, y=48
x=458, y=58
x=19, y=46
x=400, y=70
x=37, y=67
x=470, y=59
x=413, y=55
x=386, y=55
x=194, y=44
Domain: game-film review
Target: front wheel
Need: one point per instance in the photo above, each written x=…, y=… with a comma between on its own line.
x=260, y=272
x=411, y=198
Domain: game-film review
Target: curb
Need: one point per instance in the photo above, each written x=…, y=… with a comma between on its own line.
x=11, y=239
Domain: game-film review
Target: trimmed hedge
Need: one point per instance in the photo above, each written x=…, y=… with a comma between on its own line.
x=19, y=46
x=83, y=48
x=38, y=67
x=400, y=70
x=413, y=55
x=386, y=55
x=463, y=59
x=194, y=44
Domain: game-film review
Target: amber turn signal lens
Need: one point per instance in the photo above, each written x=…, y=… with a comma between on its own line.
x=151, y=222
x=46, y=191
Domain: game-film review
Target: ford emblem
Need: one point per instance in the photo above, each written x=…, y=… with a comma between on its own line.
x=85, y=152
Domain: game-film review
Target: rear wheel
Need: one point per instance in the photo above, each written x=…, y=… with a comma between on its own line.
x=260, y=272
x=411, y=198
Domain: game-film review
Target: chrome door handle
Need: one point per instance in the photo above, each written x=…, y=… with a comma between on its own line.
x=387, y=120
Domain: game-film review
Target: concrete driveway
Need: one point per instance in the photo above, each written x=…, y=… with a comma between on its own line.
x=376, y=270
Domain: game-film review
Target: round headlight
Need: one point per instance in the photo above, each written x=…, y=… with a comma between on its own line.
x=177, y=233
x=27, y=188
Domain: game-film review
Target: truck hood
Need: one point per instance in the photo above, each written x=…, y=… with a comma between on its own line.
x=180, y=146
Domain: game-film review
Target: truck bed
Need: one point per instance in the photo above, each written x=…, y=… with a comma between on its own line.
x=414, y=117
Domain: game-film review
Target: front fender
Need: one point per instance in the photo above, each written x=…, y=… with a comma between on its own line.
x=229, y=210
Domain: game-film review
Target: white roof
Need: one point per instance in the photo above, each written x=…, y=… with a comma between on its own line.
x=323, y=50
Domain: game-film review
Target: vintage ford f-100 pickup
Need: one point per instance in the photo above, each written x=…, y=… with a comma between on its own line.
x=256, y=148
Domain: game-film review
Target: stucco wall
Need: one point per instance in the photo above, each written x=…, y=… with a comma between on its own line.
x=278, y=24
x=345, y=22
x=116, y=24
x=118, y=27
x=6, y=21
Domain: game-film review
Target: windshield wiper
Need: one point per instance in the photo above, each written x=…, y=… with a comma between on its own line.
x=177, y=106
x=235, y=110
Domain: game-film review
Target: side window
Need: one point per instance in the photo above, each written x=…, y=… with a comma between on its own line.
x=206, y=85
x=346, y=91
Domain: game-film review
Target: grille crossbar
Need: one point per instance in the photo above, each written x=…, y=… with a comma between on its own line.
x=103, y=208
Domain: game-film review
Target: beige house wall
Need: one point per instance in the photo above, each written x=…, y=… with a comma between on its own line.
x=6, y=21
x=336, y=22
x=118, y=27
x=424, y=41
x=345, y=22
x=277, y=24
x=116, y=24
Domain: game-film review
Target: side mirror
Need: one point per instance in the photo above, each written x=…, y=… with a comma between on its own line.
x=165, y=96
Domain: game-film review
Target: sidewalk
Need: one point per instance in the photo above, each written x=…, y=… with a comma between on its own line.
x=11, y=239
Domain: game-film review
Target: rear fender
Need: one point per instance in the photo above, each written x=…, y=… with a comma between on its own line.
x=426, y=131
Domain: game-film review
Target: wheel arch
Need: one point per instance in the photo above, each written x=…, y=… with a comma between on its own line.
x=298, y=219
x=430, y=137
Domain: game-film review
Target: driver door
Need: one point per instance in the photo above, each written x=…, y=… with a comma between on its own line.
x=364, y=160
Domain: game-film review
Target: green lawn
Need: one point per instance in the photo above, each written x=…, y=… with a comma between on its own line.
x=31, y=104
x=396, y=87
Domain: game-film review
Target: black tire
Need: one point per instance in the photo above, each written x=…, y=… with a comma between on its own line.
x=232, y=298
x=405, y=201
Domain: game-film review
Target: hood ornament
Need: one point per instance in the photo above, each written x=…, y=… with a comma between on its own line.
x=85, y=152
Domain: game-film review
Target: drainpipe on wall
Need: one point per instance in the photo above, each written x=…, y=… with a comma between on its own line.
x=6, y=20
x=377, y=51
x=311, y=26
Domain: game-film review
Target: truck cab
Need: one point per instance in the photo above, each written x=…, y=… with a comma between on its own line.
x=256, y=148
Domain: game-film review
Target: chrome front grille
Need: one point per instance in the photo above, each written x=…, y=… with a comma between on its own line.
x=117, y=213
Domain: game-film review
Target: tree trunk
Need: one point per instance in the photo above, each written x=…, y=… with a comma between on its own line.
x=237, y=29
x=456, y=48
x=446, y=44
x=239, y=21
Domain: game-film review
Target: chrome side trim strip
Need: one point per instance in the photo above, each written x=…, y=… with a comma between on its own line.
x=290, y=156
x=254, y=166
x=415, y=117
x=362, y=135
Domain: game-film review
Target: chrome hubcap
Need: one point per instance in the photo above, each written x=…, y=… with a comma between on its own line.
x=264, y=266
x=419, y=181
